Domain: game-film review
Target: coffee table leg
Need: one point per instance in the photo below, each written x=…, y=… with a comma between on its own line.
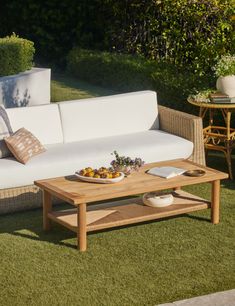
x=215, y=202
x=81, y=234
x=177, y=188
x=47, y=207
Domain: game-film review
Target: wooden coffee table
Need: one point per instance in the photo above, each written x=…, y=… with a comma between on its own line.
x=84, y=219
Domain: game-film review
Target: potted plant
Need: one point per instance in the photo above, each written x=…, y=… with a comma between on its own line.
x=225, y=71
x=201, y=96
x=125, y=164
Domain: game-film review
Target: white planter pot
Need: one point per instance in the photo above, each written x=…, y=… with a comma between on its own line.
x=226, y=85
x=28, y=88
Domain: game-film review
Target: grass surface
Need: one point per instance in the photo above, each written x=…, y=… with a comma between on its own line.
x=147, y=264
x=65, y=88
x=139, y=265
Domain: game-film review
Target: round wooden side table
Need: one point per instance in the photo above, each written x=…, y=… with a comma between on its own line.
x=218, y=138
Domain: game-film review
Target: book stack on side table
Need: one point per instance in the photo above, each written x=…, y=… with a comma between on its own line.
x=219, y=97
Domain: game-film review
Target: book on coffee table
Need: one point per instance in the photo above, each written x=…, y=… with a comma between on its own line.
x=166, y=172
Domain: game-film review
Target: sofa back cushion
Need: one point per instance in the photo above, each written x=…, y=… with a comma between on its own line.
x=43, y=121
x=5, y=130
x=109, y=116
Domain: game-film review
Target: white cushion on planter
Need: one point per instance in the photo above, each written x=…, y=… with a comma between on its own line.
x=42, y=121
x=109, y=116
x=65, y=159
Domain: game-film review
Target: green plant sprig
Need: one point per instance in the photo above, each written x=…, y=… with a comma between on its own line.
x=125, y=161
x=225, y=66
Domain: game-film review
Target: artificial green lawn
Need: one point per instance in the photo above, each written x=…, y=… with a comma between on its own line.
x=146, y=264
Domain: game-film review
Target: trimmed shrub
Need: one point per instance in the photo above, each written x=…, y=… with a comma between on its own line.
x=115, y=71
x=16, y=55
x=125, y=73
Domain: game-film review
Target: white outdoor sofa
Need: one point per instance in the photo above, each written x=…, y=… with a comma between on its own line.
x=85, y=132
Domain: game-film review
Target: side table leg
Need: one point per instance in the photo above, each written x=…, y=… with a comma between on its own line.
x=229, y=161
x=47, y=207
x=215, y=201
x=81, y=234
x=229, y=142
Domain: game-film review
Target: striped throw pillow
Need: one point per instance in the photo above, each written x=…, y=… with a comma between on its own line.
x=5, y=130
x=24, y=145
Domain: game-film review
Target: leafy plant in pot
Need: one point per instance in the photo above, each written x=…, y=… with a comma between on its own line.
x=225, y=71
x=125, y=164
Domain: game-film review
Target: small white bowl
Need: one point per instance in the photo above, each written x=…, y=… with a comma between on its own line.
x=158, y=199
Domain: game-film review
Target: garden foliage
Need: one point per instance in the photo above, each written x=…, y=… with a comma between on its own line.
x=16, y=55
x=132, y=72
x=191, y=33
x=54, y=25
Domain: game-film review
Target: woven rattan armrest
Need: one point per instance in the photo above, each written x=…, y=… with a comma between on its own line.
x=21, y=199
x=184, y=125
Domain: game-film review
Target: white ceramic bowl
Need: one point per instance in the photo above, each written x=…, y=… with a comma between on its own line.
x=158, y=199
x=100, y=180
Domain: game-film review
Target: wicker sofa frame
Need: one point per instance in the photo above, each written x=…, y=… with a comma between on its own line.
x=171, y=121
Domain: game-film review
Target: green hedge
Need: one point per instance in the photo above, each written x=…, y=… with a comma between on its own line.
x=125, y=73
x=16, y=55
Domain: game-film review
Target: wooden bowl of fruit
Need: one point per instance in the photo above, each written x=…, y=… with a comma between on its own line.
x=102, y=175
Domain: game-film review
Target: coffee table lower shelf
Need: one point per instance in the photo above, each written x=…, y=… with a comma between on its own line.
x=124, y=212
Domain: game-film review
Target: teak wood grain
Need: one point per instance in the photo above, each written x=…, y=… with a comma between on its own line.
x=128, y=212
x=83, y=219
x=76, y=192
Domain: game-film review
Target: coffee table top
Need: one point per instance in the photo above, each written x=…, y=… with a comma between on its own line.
x=74, y=191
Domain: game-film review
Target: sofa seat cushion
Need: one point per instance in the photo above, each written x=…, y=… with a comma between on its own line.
x=65, y=159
